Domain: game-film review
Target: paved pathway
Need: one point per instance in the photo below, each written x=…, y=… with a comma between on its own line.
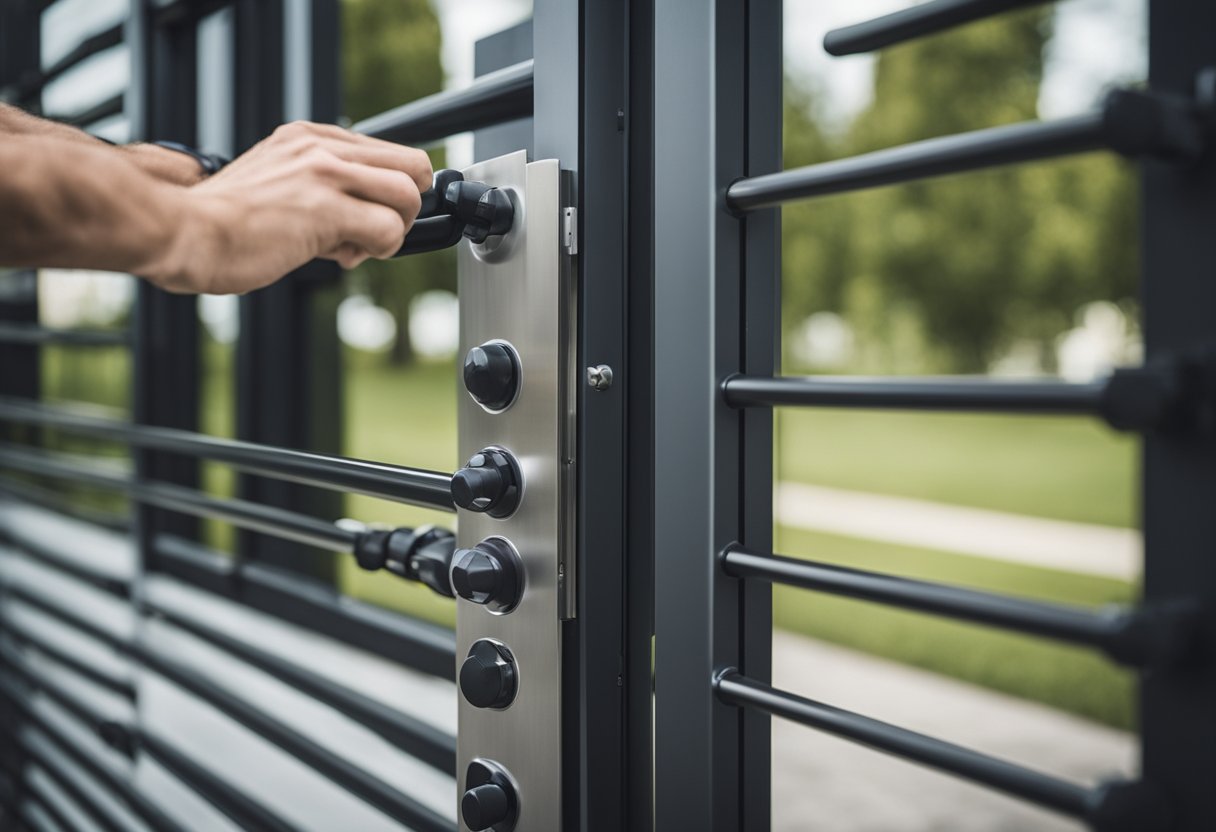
x=1073, y=547
x=824, y=784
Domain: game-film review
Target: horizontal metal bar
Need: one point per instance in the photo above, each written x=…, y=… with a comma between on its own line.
x=390, y=482
x=415, y=737
x=1129, y=122
x=987, y=395
x=1128, y=636
x=145, y=809
x=32, y=83
x=57, y=502
x=25, y=637
x=104, y=109
x=288, y=525
x=85, y=803
x=354, y=779
x=918, y=21
x=11, y=333
x=246, y=812
x=491, y=99
x=1037, y=788
x=313, y=605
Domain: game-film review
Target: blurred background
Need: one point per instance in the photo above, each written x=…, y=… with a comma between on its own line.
x=1023, y=271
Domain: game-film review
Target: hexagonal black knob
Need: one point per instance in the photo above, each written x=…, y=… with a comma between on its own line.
x=490, y=801
x=487, y=675
x=489, y=482
x=490, y=573
x=491, y=375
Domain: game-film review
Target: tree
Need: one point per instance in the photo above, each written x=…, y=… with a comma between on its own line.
x=945, y=274
x=390, y=52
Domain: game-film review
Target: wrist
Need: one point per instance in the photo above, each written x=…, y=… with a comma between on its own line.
x=166, y=165
x=179, y=243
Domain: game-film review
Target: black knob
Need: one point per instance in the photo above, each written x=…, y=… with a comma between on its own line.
x=490, y=801
x=491, y=375
x=487, y=675
x=485, y=806
x=490, y=573
x=484, y=209
x=489, y=482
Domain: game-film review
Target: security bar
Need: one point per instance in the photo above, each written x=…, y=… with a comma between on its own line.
x=1132, y=123
x=430, y=489
x=1129, y=636
x=491, y=99
x=1115, y=805
x=1137, y=398
x=916, y=22
x=33, y=83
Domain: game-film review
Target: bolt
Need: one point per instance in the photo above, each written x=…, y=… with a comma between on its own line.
x=599, y=377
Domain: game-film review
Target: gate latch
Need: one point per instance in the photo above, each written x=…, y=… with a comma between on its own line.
x=453, y=208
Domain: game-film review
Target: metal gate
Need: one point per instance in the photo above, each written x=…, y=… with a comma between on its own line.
x=612, y=569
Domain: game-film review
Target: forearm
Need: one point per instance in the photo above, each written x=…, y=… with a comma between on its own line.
x=163, y=164
x=69, y=204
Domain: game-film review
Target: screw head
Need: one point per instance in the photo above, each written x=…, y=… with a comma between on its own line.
x=599, y=377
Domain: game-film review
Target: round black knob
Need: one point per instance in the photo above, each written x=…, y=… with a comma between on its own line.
x=489, y=482
x=491, y=375
x=490, y=800
x=490, y=573
x=487, y=675
x=485, y=806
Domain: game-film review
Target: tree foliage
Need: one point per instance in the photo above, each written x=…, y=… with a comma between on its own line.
x=390, y=52
x=946, y=274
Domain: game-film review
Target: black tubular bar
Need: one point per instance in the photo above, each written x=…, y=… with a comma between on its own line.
x=918, y=21
x=1132, y=398
x=246, y=812
x=417, y=738
x=416, y=486
x=22, y=636
x=311, y=604
x=491, y=99
x=48, y=555
x=1133, y=637
x=288, y=525
x=54, y=501
x=87, y=48
x=147, y=811
x=1129, y=122
x=32, y=334
x=354, y=779
x=1138, y=807
x=85, y=803
x=47, y=806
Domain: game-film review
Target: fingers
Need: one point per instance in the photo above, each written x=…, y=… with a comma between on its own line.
x=365, y=228
x=354, y=147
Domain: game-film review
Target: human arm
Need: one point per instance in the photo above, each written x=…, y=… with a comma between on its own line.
x=307, y=191
x=167, y=165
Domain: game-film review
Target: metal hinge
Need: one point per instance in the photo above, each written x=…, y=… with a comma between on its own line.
x=570, y=230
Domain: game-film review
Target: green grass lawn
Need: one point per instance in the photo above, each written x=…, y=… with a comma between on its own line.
x=1057, y=467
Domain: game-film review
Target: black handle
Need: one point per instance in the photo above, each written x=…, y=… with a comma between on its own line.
x=452, y=208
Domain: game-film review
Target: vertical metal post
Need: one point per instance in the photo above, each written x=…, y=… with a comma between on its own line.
x=165, y=386
x=288, y=361
x=1177, y=713
x=714, y=309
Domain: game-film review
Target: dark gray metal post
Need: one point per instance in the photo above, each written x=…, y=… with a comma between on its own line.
x=165, y=336
x=288, y=362
x=717, y=76
x=1177, y=717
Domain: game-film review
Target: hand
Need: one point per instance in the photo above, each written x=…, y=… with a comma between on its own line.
x=307, y=191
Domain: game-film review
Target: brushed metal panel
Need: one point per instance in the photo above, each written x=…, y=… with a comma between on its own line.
x=518, y=292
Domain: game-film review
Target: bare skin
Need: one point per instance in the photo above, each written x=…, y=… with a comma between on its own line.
x=309, y=190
